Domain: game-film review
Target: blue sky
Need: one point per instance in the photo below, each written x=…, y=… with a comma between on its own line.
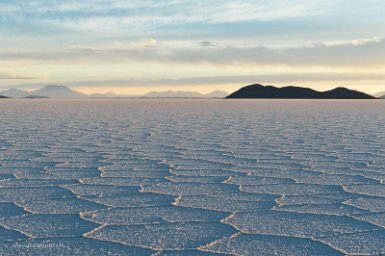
x=140, y=46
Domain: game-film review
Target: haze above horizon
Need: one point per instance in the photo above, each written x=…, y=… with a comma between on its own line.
x=134, y=47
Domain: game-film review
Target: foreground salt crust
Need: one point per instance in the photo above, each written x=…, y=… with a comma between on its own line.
x=192, y=177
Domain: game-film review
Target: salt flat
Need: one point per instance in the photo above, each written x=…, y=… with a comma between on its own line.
x=192, y=177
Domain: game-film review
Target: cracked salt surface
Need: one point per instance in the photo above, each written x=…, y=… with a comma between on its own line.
x=192, y=177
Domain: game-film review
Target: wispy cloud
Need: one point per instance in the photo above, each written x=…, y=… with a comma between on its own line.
x=4, y=76
x=68, y=40
x=368, y=52
x=99, y=15
x=288, y=78
x=229, y=83
x=207, y=44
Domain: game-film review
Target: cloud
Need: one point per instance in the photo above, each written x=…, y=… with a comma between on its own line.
x=226, y=80
x=207, y=44
x=365, y=53
x=356, y=53
x=376, y=39
x=4, y=76
x=107, y=15
x=148, y=43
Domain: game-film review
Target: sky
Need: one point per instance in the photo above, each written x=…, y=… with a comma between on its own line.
x=137, y=46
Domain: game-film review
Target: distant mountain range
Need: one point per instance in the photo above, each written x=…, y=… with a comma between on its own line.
x=58, y=91
x=380, y=95
x=63, y=92
x=185, y=94
x=35, y=97
x=106, y=95
x=3, y=97
x=292, y=92
x=251, y=91
x=50, y=91
x=14, y=93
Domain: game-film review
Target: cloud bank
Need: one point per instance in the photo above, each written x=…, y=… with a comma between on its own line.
x=365, y=52
x=140, y=41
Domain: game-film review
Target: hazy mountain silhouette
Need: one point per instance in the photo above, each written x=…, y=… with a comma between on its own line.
x=58, y=91
x=14, y=93
x=35, y=97
x=106, y=95
x=293, y=92
x=217, y=94
x=379, y=94
x=185, y=94
x=3, y=97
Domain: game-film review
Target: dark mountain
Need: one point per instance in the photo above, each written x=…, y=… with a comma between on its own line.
x=258, y=91
x=344, y=93
x=58, y=91
x=3, y=97
x=14, y=93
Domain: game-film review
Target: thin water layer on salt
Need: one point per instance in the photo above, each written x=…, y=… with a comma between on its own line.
x=371, y=190
x=70, y=205
x=6, y=176
x=10, y=209
x=189, y=235
x=366, y=243
x=187, y=253
x=202, y=172
x=297, y=225
x=325, y=209
x=121, y=181
x=25, y=183
x=376, y=218
x=374, y=204
x=19, y=164
x=134, y=200
x=198, y=179
x=257, y=180
x=63, y=176
x=338, y=198
x=299, y=177
x=140, y=164
x=68, y=247
x=221, y=204
x=149, y=215
x=7, y=234
x=240, y=196
x=376, y=175
x=292, y=189
x=199, y=164
x=33, y=193
x=335, y=179
x=48, y=225
x=189, y=188
x=155, y=173
x=245, y=244
x=101, y=190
